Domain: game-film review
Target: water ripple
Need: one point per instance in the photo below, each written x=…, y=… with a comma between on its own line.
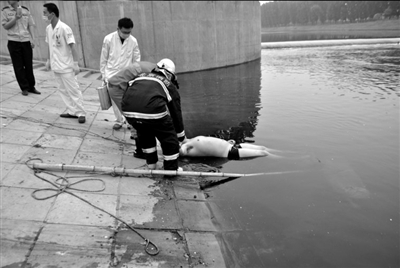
x=370, y=73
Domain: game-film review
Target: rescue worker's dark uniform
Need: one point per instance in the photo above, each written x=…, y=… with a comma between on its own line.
x=144, y=105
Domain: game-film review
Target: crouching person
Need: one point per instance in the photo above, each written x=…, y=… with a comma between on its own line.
x=152, y=105
x=117, y=86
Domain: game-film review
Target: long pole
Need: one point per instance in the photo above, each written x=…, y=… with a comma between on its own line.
x=125, y=171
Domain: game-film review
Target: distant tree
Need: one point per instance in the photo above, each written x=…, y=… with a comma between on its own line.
x=304, y=12
x=378, y=16
x=388, y=12
x=315, y=13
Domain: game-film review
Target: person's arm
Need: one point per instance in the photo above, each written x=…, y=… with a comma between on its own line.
x=9, y=24
x=136, y=52
x=74, y=53
x=48, y=67
x=70, y=39
x=104, y=58
x=75, y=57
x=31, y=26
x=174, y=107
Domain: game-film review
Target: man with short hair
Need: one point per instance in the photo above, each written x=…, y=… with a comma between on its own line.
x=63, y=60
x=18, y=22
x=120, y=49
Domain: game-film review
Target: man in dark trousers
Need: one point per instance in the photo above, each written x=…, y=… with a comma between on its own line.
x=117, y=86
x=18, y=22
x=152, y=105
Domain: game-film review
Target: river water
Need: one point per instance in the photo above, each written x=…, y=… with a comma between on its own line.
x=332, y=113
x=299, y=36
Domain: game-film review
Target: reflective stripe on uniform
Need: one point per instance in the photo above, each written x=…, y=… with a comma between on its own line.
x=155, y=80
x=181, y=134
x=145, y=116
x=171, y=157
x=149, y=150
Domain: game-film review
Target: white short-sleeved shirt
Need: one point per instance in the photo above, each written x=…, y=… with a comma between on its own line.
x=116, y=55
x=59, y=38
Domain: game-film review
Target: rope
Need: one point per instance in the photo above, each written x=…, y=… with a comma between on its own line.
x=62, y=185
x=5, y=114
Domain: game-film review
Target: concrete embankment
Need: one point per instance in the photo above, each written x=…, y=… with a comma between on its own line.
x=323, y=43
x=74, y=228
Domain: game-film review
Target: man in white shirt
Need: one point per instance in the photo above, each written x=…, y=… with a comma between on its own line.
x=63, y=60
x=120, y=49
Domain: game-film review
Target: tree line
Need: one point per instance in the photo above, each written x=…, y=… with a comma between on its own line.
x=285, y=13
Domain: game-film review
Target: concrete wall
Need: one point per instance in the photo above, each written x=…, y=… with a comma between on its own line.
x=196, y=35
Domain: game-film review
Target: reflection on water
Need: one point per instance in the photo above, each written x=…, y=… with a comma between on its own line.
x=293, y=36
x=334, y=112
x=221, y=102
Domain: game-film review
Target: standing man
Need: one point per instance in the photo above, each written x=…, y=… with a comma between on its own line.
x=18, y=22
x=63, y=60
x=120, y=49
x=152, y=105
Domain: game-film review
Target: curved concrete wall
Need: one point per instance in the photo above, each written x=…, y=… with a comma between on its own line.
x=196, y=35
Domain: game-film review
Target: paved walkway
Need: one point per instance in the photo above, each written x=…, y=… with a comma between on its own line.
x=64, y=231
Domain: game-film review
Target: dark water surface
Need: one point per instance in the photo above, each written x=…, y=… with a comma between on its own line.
x=299, y=36
x=334, y=114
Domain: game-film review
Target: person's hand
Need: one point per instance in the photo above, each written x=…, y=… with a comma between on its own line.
x=48, y=67
x=18, y=14
x=76, y=68
x=32, y=45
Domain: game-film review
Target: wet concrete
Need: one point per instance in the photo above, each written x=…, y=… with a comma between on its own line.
x=64, y=231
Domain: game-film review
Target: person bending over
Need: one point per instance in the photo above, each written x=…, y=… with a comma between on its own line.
x=202, y=146
x=152, y=105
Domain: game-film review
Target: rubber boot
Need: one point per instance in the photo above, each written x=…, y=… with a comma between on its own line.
x=138, y=153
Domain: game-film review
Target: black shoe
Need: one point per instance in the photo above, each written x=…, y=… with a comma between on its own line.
x=140, y=155
x=81, y=119
x=25, y=92
x=117, y=126
x=34, y=91
x=68, y=116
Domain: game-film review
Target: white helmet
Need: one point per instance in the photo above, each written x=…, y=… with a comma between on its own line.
x=167, y=64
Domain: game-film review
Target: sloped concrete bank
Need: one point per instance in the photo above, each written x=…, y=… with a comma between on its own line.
x=324, y=43
x=65, y=231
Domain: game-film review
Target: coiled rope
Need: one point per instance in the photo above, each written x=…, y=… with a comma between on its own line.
x=62, y=185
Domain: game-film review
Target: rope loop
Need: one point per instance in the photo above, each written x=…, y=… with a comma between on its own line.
x=63, y=185
x=151, y=248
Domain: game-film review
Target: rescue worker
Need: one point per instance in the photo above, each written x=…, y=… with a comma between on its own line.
x=63, y=60
x=18, y=22
x=120, y=49
x=117, y=86
x=152, y=105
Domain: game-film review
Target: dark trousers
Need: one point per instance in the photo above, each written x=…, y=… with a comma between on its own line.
x=163, y=129
x=21, y=57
